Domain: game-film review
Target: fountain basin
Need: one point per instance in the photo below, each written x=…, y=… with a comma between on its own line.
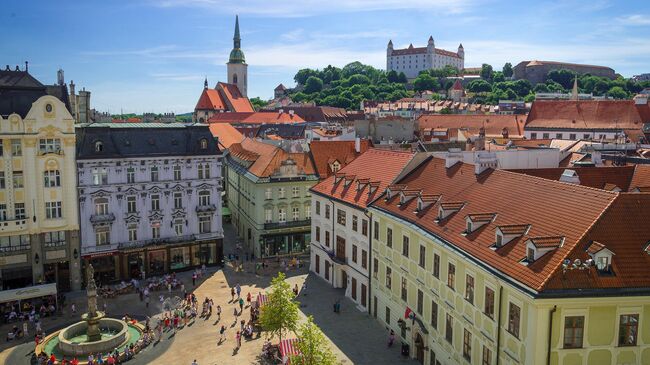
x=73, y=340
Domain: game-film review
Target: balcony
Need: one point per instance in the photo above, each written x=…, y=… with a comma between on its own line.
x=102, y=218
x=8, y=250
x=341, y=260
x=98, y=250
x=288, y=224
x=157, y=241
x=13, y=225
x=208, y=236
x=206, y=208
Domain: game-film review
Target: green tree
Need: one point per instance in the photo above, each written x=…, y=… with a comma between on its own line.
x=618, y=92
x=401, y=78
x=425, y=82
x=392, y=76
x=498, y=77
x=479, y=86
x=486, y=72
x=313, y=85
x=357, y=79
x=507, y=69
x=280, y=313
x=540, y=88
x=302, y=75
x=312, y=346
x=562, y=77
x=258, y=103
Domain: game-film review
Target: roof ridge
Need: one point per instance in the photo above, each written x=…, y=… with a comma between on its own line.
x=533, y=177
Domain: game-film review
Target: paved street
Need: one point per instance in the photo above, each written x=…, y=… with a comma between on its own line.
x=356, y=338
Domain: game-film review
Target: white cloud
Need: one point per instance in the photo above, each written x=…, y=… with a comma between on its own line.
x=293, y=35
x=309, y=55
x=635, y=19
x=289, y=8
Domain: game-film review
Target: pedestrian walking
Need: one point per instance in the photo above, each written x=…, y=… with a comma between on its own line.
x=194, y=279
x=222, y=333
x=232, y=294
x=238, y=289
x=105, y=308
x=25, y=329
x=242, y=323
x=218, y=312
x=241, y=304
x=146, y=301
x=73, y=308
x=238, y=337
x=194, y=362
x=235, y=312
x=249, y=298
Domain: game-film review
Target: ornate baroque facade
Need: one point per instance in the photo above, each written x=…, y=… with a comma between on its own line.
x=412, y=60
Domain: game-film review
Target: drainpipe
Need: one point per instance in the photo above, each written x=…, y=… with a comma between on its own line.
x=499, y=324
x=368, y=266
x=333, y=241
x=550, y=333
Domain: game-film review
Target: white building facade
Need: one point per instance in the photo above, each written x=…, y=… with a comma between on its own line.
x=412, y=60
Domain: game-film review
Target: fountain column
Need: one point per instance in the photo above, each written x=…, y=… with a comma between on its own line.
x=93, y=316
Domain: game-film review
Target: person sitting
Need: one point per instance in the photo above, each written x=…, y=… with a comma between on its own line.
x=14, y=333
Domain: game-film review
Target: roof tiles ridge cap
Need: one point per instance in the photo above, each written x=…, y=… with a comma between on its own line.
x=556, y=181
x=554, y=270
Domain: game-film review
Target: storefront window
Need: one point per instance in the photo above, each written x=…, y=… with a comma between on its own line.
x=180, y=257
x=104, y=269
x=135, y=265
x=157, y=262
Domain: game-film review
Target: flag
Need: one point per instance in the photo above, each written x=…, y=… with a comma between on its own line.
x=407, y=313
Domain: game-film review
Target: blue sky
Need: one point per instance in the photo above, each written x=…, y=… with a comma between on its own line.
x=152, y=55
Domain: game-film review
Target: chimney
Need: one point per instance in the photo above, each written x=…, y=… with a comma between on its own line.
x=280, y=111
x=357, y=144
x=59, y=77
x=480, y=140
x=453, y=156
x=484, y=160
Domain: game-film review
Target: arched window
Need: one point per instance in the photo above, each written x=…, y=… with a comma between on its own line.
x=204, y=144
x=234, y=78
x=99, y=146
x=204, y=198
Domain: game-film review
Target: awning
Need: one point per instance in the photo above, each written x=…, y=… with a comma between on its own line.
x=225, y=211
x=27, y=293
x=288, y=348
x=261, y=299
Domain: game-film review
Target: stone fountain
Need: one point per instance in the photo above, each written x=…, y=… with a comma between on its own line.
x=93, y=316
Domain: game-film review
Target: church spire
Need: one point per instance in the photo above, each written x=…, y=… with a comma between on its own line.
x=236, y=55
x=236, y=39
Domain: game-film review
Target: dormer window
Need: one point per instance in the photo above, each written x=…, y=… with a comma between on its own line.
x=475, y=221
x=348, y=180
x=361, y=183
x=499, y=240
x=530, y=254
x=393, y=189
x=601, y=255
x=537, y=247
x=448, y=208
x=505, y=234
x=468, y=228
x=338, y=177
x=372, y=187
x=204, y=144
x=99, y=146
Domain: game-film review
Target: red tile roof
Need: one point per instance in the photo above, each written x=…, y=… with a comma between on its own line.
x=420, y=50
x=625, y=178
x=378, y=167
x=225, y=97
x=325, y=152
x=265, y=158
x=493, y=124
x=255, y=118
x=226, y=133
x=551, y=208
x=210, y=99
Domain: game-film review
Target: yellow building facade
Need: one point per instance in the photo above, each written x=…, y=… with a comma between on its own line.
x=39, y=230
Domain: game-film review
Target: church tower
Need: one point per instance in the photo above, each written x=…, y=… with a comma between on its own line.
x=237, y=67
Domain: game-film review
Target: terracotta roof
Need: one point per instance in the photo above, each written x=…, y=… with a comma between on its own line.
x=514, y=229
x=584, y=114
x=551, y=208
x=444, y=52
x=378, y=166
x=255, y=118
x=419, y=50
x=233, y=98
x=457, y=85
x=595, y=247
x=481, y=217
x=226, y=134
x=547, y=242
x=265, y=159
x=494, y=124
x=571, y=157
x=210, y=99
x=624, y=177
x=342, y=151
x=538, y=63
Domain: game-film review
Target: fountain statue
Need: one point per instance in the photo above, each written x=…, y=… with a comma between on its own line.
x=93, y=316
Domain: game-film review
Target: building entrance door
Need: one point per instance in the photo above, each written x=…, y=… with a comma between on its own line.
x=344, y=279
x=419, y=349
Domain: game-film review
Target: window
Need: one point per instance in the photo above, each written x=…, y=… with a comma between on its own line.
x=268, y=194
x=102, y=236
x=364, y=227
x=375, y=267
x=434, y=315
x=295, y=211
x=317, y=208
x=155, y=202
x=100, y=176
x=2, y=180
x=295, y=191
x=307, y=211
x=55, y=239
x=3, y=212
x=436, y=266
x=533, y=136
x=177, y=172
x=281, y=193
x=420, y=303
x=628, y=330
x=449, y=328
x=572, y=136
x=204, y=171
x=204, y=142
x=19, y=209
x=268, y=218
x=101, y=206
x=514, y=316
x=487, y=356
x=205, y=224
x=451, y=276
x=154, y=173
x=355, y=223
x=469, y=289
x=327, y=212
x=405, y=246
x=387, y=315
x=389, y=277
x=155, y=231
x=558, y=135
x=354, y=253
x=133, y=231
x=423, y=255
x=49, y=145
x=317, y=232
x=389, y=237
x=130, y=175
x=178, y=200
x=51, y=178
x=573, y=332
x=340, y=217
x=375, y=232
x=489, y=302
x=53, y=210
x=130, y=204
x=18, y=179
x=530, y=254
x=364, y=259
x=545, y=136
x=327, y=238
x=404, y=291
x=16, y=147
x=282, y=215
x=586, y=136
x=468, y=229
x=178, y=227
x=204, y=198
x=467, y=345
